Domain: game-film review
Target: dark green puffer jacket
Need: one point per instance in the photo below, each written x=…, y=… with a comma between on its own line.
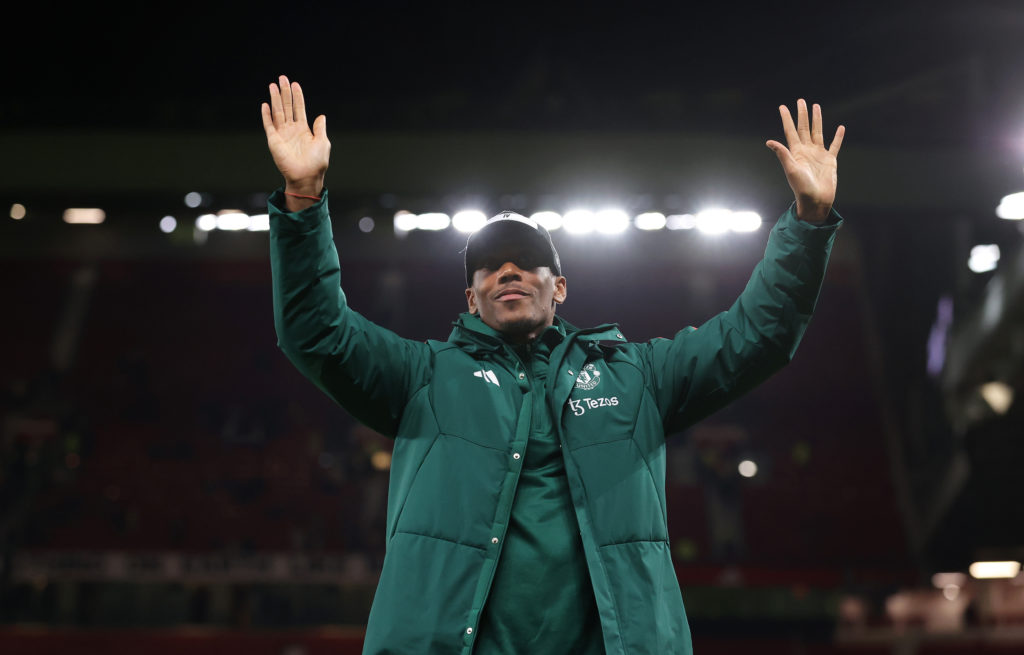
x=460, y=411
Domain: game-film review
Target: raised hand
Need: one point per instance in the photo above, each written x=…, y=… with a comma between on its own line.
x=810, y=168
x=300, y=154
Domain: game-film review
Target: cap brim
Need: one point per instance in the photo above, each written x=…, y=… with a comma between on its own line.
x=509, y=240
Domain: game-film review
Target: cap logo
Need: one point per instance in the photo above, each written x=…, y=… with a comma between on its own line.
x=512, y=216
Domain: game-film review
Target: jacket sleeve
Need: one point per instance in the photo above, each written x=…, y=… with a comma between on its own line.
x=700, y=370
x=367, y=369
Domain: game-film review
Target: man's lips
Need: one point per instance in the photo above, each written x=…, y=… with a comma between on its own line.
x=511, y=294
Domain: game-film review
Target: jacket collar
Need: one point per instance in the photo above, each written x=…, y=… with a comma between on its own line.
x=471, y=332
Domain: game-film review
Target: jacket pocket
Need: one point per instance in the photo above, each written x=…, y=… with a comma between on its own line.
x=455, y=493
x=424, y=596
x=622, y=496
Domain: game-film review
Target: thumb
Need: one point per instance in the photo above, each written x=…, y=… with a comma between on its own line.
x=320, y=127
x=781, y=151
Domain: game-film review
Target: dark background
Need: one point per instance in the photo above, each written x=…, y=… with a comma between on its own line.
x=908, y=74
x=189, y=432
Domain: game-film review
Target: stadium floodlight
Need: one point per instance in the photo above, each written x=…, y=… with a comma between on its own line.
x=745, y=221
x=168, y=224
x=207, y=222
x=84, y=215
x=231, y=220
x=549, y=220
x=468, y=220
x=680, y=221
x=1011, y=207
x=714, y=221
x=650, y=221
x=433, y=221
x=983, y=258
x=193, y=199
x=611, y=221
x=405, y=221
x=578, y=221
x=990, y=570
x=366, y=224
x=748, y=468
x=259, y=222
x=18, y=211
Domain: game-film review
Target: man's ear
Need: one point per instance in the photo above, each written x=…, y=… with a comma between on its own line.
x=471, y=300
x=560, y=289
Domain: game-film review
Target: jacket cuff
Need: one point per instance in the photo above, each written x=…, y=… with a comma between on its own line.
x=301, y=221
x=809, y=234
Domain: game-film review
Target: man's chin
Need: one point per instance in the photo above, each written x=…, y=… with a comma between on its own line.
x=520, y=326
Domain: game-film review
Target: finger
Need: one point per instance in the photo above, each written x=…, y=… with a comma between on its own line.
x=816, y=135
x=277, y=108
x=787, y=125
x=320, y=127
x=837, y=141
x=802, y=128
x=268, y=121
x=286, y=98
x=300, y=104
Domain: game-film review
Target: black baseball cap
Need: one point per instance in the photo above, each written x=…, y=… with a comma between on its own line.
x=510, y=237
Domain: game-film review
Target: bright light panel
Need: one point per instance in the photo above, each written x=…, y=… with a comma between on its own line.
x=259, y=223
x=231, y=220
x=84, y=215
x=578, y=221
x=714, y=221
x=550, y=220
x=405, y=221
x=983, y=258
x=611, y=221
x=681, y=221
x=650, y=221
x=468, y=220
x=207, y=222
x=986, y=570
x=1011, y=207
x=745, y=222
x=433, y=221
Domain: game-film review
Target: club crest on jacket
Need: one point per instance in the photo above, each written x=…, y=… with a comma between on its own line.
x=589, y=377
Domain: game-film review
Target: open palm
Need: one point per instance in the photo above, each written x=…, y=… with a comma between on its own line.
x=300, y=154
x=810, y=168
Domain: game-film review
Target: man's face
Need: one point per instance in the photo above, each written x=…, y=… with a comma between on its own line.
x=513, y=298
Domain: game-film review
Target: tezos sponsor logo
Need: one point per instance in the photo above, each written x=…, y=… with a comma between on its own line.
x=579, y=406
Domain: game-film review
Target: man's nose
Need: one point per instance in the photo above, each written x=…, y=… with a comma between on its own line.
x=509, y=272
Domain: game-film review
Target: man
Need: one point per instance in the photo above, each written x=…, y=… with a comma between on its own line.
x=526, y=508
